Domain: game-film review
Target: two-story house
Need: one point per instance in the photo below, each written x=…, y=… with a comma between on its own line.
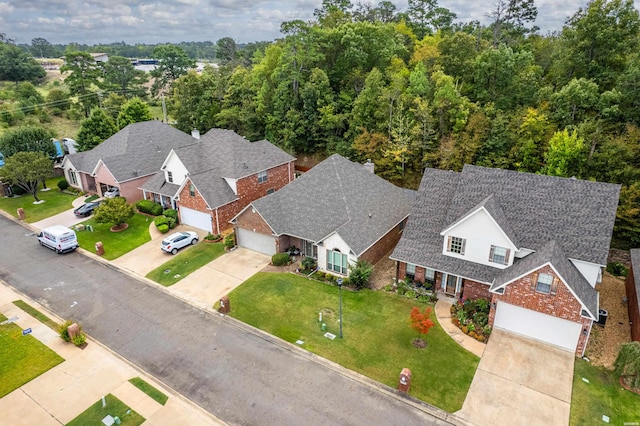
x=534, y=245
x=212, y=179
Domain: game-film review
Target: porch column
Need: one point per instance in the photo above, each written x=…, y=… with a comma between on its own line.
x=443, y=284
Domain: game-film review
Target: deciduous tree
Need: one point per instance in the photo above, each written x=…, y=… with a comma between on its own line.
x=173, y=62
x=421, y=322
x=26, y=170
x=114, y=210
x=95, y=129
x=133, y=111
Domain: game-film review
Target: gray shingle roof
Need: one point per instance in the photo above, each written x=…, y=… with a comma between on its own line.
x=340, y=196
x=159, y=185
x=223, y=154
x=552, y=253
x=137, y=150
x=635, y=263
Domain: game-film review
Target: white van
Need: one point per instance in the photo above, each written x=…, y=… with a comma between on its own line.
x=58, y=238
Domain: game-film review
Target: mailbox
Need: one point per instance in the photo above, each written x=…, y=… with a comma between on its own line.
x=225, y=305
x=99, y=248
x=405, y=380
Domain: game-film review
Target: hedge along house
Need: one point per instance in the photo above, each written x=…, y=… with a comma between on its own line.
x=210, y=180
x=125, y=160
x=338, y=212
x=534, y=245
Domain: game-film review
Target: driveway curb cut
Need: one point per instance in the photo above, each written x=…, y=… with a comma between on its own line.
x=387, y=390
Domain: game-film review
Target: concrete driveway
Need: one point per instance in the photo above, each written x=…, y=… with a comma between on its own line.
x=149, y=256
x=66, y=218
x=520, y=381
x=208, y=284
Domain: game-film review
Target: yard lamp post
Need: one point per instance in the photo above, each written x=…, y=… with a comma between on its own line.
x=339, y=281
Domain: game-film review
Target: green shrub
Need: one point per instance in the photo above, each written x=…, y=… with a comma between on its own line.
x=171, y=213
x=164, y=228
x=617, y=269
x=63, y=184
x=64, y=330
x=309, y=263
x=149, y=207
x=230, y=240
x=280, y=259
x=212, y=237
x=161, y=220
x=410, y=294
x=80, y=339
x=360, y=273
x=481, y=318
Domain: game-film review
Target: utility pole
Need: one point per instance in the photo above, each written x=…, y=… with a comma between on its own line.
x=164, y=110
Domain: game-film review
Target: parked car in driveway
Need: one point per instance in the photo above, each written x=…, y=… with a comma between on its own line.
x=86, y=209
x=176, y=241
x=112, y=192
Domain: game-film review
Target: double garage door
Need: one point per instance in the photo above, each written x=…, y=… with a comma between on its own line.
x=535, y=325
x=256, y=241
x=196, y=219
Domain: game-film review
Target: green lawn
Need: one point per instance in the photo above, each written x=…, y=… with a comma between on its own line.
x=37, y=314
x=376, y=335
x=145, y=387
x=114, y=407
x=54, y=202
x=22, y=358
x=116, y=243
x=603, y=395
x=185, y=262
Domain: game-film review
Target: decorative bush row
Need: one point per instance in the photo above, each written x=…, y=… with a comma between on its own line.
x=149, y=207
x=410, y=290
x=164, y=223
x=472, y=317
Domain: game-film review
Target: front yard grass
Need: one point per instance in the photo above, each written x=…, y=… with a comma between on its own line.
x=55, y=202
x=603, y=395
x=114, y=407
x=115, y=243
x=377, y=339
x=22, y=358
x=185, y=262
x=37, y=314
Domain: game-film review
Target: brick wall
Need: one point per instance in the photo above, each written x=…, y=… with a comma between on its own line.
x=250, y=190
x=195, y=202
x=384, y=244
x=561, y=305
x=632, y=303
x=474, y=290
x=253, y=221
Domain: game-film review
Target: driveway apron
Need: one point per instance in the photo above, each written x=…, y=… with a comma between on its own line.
x=520, y=381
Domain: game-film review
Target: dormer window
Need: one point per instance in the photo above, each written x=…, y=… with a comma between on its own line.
x=169, y=177
x=499, y=255
x=456, y=245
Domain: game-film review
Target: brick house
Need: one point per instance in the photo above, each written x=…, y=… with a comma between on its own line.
x=125, y=160
x=632, y=284
x=533, y=245
x=211, y=179
x=338, y=212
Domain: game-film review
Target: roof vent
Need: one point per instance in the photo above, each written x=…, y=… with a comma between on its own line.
x=369, y=166
x=369, y=215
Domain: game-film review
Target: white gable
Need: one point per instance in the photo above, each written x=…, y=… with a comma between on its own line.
x=480, y=231
x=178, y=170
x=334, y=242
x=590, y=271
x=233, y=184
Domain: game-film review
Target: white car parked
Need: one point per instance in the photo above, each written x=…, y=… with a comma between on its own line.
x=112, y=192
x=176, y=241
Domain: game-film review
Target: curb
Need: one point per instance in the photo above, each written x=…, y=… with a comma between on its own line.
x=352, y=375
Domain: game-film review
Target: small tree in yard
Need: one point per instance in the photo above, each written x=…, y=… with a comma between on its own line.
x=116, y=211
x=360, y=273
x=627, y=364
x=26, y=169
x=421, y=322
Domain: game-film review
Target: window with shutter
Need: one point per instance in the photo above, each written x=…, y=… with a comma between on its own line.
x=534, y=281
x=554, y=286
x=544, y=283
x=499, y=255
x=456, y=245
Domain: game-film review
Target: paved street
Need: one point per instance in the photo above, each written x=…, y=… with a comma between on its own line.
x=240, y=376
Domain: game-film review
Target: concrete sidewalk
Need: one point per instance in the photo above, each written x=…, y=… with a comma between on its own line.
x=62, y=393
x=443, y=314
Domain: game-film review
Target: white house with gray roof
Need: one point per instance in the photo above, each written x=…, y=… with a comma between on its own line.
x=338, y=212
x=534, y=245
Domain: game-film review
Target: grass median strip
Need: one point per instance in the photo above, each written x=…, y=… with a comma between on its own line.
x=601, y=394
x=114, y=408
x=22, y=358
x=185, y=262
x=37, y=314
x=377, y=339
x=151, y=391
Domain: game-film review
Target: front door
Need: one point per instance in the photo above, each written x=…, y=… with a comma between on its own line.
x=450, y=285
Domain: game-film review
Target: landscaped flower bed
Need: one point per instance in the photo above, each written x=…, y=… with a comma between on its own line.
x=472, y=317
x=419, y=291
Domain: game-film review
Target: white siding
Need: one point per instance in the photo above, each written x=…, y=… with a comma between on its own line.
x=177, y=169
x=480, y=232
x=590, y=271
x=333, y=242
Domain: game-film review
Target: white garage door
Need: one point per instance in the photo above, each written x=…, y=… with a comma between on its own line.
x=538, y=326
x=256, y=241
x=196, y=219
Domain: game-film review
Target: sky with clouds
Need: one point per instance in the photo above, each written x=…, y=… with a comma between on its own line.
x=172, y=21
